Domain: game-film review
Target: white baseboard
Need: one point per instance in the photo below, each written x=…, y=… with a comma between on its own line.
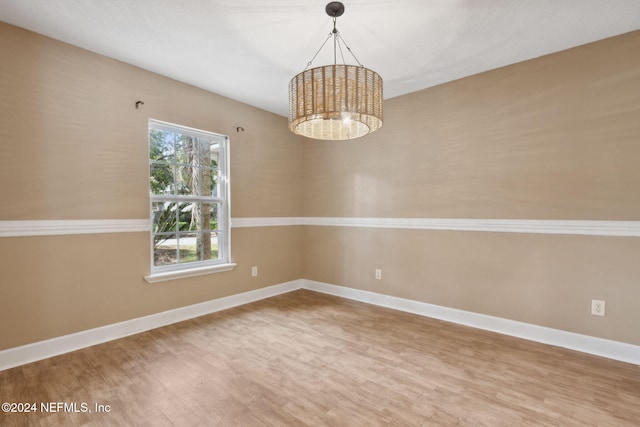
x=52, y=347
x=44, y=349
x=587, y=344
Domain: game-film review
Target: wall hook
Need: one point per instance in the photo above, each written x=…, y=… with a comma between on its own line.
x=239, y=129
x=138, y=104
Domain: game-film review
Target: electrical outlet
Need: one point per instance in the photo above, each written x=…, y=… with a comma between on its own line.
x=598, y=307
x=378, y=274
x=254, y=271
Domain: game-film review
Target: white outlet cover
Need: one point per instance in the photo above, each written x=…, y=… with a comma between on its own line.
x=598, y=307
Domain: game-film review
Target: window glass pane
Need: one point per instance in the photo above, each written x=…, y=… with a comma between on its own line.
x=161, y=146
x=201, y=181
x=214, y=208
x=184, y=149
x=201, y=216
x=164, y=217
x=202, y=150
x=214, y=173
x=185, y=181
x=184, y=216
x=164, y=255
x=209, y=216
x=161, y=179
x=165, y=250
x=200, y=219
x=195, y=181
x=188, y=246
x=201, y=246
x=216, y=243
x=189, y=216
x=196, y=216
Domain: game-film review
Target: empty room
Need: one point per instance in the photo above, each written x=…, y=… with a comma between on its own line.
x=312, y=213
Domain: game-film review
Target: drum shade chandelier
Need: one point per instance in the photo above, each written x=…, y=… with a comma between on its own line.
x=335, y=102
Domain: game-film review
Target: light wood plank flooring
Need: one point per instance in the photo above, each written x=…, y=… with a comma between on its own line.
x=306, y=358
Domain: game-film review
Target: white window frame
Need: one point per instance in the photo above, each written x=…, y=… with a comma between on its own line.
x=195, y=268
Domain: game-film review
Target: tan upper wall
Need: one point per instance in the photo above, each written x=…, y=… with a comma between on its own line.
x=557, y=137
x=73, y=145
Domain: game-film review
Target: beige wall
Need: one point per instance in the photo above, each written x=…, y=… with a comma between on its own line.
x=73, y=146
x=557, y=137
x=552, y=138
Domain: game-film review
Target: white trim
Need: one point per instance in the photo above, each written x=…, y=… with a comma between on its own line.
x=186, y=130
x=266, y=222
x=580, y=227
x=188, y=272
x=44, y=349
x=80, y=226
x=587, y=344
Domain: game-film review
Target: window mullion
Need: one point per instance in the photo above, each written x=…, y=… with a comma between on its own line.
x=186, y=199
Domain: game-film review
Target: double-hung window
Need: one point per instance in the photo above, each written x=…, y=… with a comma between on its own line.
x=189, y=191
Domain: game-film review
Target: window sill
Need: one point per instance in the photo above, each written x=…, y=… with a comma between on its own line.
x=191, y=272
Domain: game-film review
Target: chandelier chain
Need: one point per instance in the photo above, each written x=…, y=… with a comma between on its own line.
x=314, y=56
x=349, y=49
x=337, y=38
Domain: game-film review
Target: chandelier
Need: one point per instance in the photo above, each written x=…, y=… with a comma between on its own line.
x=335, y=102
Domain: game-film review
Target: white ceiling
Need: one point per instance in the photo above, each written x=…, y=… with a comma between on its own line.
x=248, y=50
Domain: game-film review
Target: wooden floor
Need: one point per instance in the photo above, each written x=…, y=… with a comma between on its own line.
x=306, y=358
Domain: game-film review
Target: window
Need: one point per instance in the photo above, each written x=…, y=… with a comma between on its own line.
x=189, y=197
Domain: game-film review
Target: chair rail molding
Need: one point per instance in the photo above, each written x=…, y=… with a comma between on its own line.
x=538, y=226
x=72, y=226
